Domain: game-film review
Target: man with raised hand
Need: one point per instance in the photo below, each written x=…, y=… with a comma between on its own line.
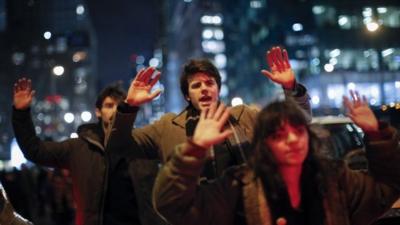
x=109, y=185
x=200, y=84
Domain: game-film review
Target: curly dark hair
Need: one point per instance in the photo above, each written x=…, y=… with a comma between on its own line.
x=114, y=91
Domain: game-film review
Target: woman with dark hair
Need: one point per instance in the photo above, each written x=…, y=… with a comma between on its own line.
x=287, y=181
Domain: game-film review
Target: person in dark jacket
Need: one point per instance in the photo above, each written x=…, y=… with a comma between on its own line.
x=287, y=182
x=7, y=213
x=200, y=84
x=110, y=184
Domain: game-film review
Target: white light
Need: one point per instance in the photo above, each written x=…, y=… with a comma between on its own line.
x=255, y=4
x=397, y=84
x=212, y=46
x=217, y=20
x=318, y=9
x=47, y=35
x=69, y=117
x=351, y=86
x=374, y=92
x=139, y=67
x=224, y=90
x=223, y=75
x=334, y=53
x=297, y=27
x=333, y=61
x=218, y=34
x=80, y=10
x=207, y=34
x=329, y=67
x=58, y=70
x=372, y=26
x=372, y=101
x=236, y=101
x=86, y=116
x=220, y=61
x=140, y=59
x=331, y=94
x=367, y=12
x=382, y=10
x=17, y=158
x=73, y=135
x=387, y=52
x=343, y=20
x=315, y=100
x=206, y=19
x=154, y=62
x=188, y=1
x=315, y=61
x=392, y=104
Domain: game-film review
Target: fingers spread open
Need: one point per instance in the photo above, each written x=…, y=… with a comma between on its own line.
x=286, y=59
x=155, y=79
x=224, y=117
x=148, y=73
x=270, y=61
x=219, y=111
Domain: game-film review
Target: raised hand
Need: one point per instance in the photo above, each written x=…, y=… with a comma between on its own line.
x=281, y=72
x=23, y=94
x=209, y=129
x=139, y=90
x=360, y=112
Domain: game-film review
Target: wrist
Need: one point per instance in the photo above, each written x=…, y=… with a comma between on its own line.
x=291, y=85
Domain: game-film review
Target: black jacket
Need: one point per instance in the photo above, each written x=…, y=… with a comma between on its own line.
x=86, y=160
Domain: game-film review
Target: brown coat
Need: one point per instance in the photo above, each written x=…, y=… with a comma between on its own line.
x=165, y=134
x=352, y=198
x=160, y=138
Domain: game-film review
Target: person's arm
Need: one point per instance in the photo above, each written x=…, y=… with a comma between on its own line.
x=177, y=195
x=138, y=94
x=47, y=153
x=282, y=73
x=370, y=195
x=7, y=213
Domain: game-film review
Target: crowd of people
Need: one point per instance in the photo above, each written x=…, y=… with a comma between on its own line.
x=211, y=164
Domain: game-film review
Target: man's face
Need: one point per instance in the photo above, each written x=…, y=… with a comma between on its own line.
x=289, y=145
x=108, y=108
x=203, y=91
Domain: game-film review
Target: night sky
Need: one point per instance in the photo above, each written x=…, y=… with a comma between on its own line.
x=123, y=27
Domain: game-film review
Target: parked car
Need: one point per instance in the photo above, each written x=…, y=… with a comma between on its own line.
x=342, y=139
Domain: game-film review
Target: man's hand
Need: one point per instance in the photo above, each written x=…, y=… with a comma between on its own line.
x=23, y=94
x=209, y=128
x=360, y=112
x=281, y=71
x=139, y=90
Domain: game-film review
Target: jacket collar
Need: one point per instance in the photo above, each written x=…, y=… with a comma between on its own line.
x=180, y=119
x=93, y=133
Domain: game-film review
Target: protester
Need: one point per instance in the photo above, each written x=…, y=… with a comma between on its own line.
x=287, y=181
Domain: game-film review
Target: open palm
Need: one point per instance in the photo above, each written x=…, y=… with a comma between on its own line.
x=360, y=112
x=281, y=72
x=209, y=129
x=23, y=94
x=139, y=90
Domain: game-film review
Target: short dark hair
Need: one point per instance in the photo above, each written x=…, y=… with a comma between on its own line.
x=198, y=66
x=114, y=91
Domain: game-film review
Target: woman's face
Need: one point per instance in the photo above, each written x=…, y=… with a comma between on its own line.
x=289, y=144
